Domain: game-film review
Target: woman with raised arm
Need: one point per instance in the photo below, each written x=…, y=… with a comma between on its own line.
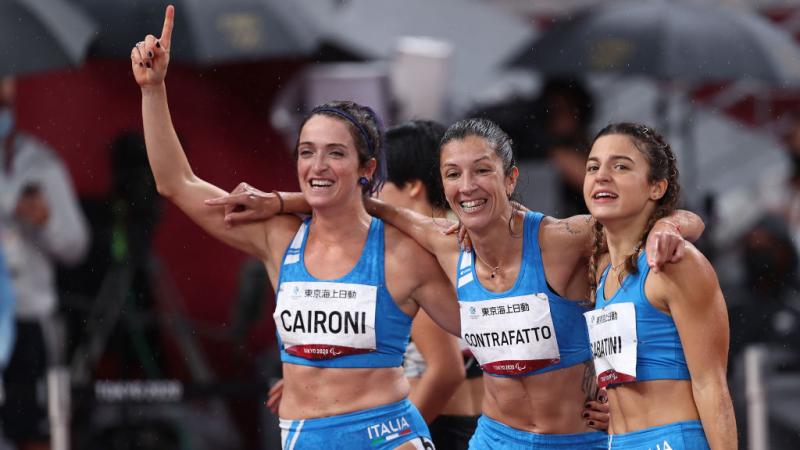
x=660, y=340
x=346, y=292
x=521, y=290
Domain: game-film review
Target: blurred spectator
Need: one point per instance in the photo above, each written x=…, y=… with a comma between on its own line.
x=565, y=109
x=555, y=126
x=123, y=227
x=7, y=302
x=786, y=199
x=42, y=225
x=569, y=158
x=768, y=307
x=7, y=330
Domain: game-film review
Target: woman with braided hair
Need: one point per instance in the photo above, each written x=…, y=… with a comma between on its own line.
x=659, y=339
x=346, y=293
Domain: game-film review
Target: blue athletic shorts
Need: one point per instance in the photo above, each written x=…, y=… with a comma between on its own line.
x=687, y=435
x=493, y=435
x=380, y=428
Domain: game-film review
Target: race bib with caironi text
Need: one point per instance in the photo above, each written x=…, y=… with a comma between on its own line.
x=612, y=334
x=322, y=320
x=510, y=336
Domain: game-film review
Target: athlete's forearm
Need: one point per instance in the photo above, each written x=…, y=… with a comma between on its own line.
x=688, y=224
x=421, y=228
x=716, y=414
x=294, y=203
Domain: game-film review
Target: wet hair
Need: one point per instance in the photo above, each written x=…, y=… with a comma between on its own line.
x=662, y=166
x=367, y=132
x=489, y=131
x=412, y=153
x=499, y=140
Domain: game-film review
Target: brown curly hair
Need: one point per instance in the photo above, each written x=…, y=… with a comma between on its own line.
x=663, y=166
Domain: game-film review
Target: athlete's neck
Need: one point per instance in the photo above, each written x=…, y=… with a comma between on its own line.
x=343, y=223
x=624, y=237
x=496, y=245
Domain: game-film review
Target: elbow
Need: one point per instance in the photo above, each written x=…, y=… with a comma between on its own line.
x=165, y=191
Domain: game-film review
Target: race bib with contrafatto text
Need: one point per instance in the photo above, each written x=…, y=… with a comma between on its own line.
x=510, y=336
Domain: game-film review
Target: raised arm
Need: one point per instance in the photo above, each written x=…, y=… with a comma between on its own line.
x=692, y=293
x=173, y=174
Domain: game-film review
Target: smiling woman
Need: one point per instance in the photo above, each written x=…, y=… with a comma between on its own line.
x=521, y=291
x=345, y=291
x=658, y=338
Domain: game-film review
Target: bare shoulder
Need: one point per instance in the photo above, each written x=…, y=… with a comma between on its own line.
x=279, y=232
x=402, y=246
x=570, y=238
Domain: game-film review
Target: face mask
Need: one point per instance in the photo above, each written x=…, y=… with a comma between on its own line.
x=6, y=121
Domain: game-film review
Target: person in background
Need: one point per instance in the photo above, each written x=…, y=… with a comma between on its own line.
x=42, y=226
x=765, y=308
x=7, y=302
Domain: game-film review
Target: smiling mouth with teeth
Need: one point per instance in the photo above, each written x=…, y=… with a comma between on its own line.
x=472, y=204
x=321, y=183
x=605, y=195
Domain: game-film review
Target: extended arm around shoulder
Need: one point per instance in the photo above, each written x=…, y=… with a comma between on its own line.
x=429, y=232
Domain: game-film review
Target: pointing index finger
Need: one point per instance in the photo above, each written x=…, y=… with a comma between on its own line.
x=166, y=32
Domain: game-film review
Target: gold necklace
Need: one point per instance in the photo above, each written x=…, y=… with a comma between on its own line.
x=636, y=251
x=494, y=269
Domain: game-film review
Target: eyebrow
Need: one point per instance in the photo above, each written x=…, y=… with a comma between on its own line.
x=613, y=157
x=332, y=144
x=446, y=164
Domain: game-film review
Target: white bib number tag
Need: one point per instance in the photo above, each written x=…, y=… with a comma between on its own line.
x=510, y=336
x=612, y=334
x=319, y=320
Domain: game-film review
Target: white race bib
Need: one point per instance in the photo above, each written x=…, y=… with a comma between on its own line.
x=320, y=320
x=510, y=336
x=612, y=334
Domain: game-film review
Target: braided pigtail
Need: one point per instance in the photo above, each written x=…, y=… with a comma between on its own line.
x=599, y=248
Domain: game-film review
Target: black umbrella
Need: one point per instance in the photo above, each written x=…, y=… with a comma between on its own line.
x=671, y=41
x=206, y=31
x=37, y=35
x=667, y=39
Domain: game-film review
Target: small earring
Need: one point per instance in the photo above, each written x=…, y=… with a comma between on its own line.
x=363, y=181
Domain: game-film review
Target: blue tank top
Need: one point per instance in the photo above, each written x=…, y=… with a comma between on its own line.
x=503, y=328
x=659, y=353
x=350, y=322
